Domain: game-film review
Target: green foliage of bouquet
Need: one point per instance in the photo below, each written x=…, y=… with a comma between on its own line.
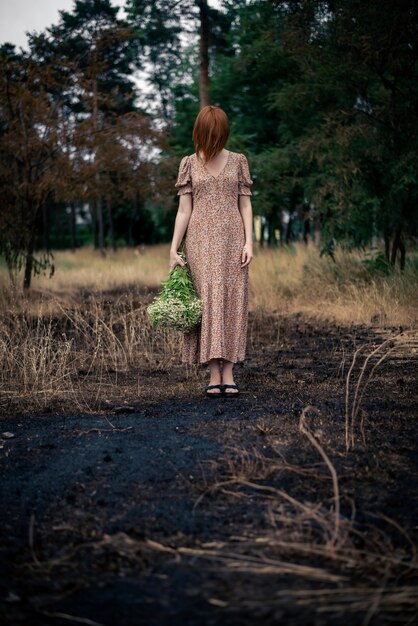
x=177, y=306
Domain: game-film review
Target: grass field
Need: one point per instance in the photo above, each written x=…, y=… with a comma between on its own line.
x=294, y=503
x=91, y=315
x=291, y=279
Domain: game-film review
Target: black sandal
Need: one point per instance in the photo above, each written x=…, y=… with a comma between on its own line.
x=230, y=394
x=214, y=395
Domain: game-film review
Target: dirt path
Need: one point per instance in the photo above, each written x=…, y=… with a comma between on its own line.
x=177, y=513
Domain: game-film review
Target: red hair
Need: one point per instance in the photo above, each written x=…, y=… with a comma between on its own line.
x=210, y=131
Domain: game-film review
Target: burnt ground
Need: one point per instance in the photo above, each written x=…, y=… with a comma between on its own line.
x=188, y=511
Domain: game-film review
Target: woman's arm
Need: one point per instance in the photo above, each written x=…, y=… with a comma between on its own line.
x=245, y=208
x=180, y=226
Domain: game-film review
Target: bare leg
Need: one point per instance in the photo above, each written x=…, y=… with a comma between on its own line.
x=215, y=375
x=227, y=376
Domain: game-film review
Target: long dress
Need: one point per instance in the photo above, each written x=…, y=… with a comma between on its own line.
x=213, y=243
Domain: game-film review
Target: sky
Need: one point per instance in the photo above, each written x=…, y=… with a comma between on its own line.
x=20, y=16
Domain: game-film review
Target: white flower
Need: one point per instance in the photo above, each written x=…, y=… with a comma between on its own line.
x=177, y=306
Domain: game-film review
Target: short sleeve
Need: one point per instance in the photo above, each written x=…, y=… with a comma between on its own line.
x=244, y=179
x=184, y=179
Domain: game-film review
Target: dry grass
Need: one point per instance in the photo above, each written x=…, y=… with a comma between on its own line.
x=56, y=334
x=298, y=279
x=68, y=324
x=87, y=272
x=286, y=280
x=56, y=352
x=86, y=269
x=403, y=347
x=365, y=569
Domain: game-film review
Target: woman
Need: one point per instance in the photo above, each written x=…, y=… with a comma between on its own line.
x=215, y=209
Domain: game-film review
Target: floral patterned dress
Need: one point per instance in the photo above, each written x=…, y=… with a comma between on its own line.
x=213, y=242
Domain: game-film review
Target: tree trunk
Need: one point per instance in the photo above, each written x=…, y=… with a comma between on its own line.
x=130, y=229
x=402, y=252
x=282, y=229
x=73, y=227
x=386, y=237
x=132, y=215
x=204, y=53
x=111, y=225
x=306, y=230
x=289, y=230
x=99, y=200
x=317, y=232
x=93, y=211
x=12, y=278
x=100, y=223
x=270, y=232
x=262, y=226
x=46, y=224
x=29, y=260
x=398, y=244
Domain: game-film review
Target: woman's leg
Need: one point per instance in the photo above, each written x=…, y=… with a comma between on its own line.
x=215, y=375
x=227, y=376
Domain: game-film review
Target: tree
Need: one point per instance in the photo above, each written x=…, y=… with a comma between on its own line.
x=358, y=81
x=30, y=158
x=167, y=35
x=204, y=53
x=105, y=125
x=70, y=131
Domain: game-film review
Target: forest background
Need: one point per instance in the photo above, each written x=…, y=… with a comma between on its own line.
x=322, y=98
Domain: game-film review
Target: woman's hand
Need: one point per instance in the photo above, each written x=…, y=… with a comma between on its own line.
x=247, y=254
x=175, y=259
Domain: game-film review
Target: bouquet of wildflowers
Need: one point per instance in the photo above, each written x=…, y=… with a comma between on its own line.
x=177, y=306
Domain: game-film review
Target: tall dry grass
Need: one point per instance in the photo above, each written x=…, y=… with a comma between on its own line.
x=290, y=279
x=87, y=272
x=297, y=278
x=77, y=353
x=90, y=316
